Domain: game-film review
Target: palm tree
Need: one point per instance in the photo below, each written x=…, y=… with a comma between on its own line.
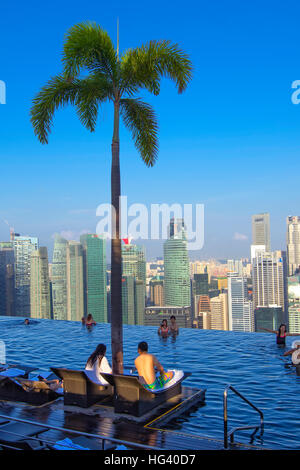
x=93, y=73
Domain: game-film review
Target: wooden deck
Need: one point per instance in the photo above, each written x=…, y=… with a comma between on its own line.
x=95, y=421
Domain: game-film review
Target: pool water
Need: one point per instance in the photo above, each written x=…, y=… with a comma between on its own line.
x=250, y=362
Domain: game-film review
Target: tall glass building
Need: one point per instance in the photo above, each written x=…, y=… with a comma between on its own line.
x=134, y=261
x=95, y=293
x=240, y=311
x=39, y=285
x=23, y=247
x=59, y=278
x=177, y=286
x=134, y=284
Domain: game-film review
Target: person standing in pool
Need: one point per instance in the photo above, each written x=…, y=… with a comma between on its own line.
x=90, y=321
x=174, y=330
x=163, y=329
x=146, y=364
x=281, y=334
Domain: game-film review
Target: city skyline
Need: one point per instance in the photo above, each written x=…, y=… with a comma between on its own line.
x=243, y=127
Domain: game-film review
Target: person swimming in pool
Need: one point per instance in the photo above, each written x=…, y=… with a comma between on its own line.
x=26, y=321
x=147, y=364
x=281, y=333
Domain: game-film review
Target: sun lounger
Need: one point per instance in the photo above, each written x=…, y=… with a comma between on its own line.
x=133, y=398
x=80, y=390
x=25, y=390
x=17, y=436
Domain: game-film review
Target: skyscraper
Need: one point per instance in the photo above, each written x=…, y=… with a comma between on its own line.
x=219, y=312
x=177, y=290
x=261, y=230
x=75, y=285
x=94, y=251
x=268, y=317
x=134, y=261
x=293, y=244
x=240, y=312
x=294, y=303
x=268, y=280
x=134, y=273
x=59, y=278
x=201, y=284
x=176, y=228
x=156, y=286
x=23, y=247
x=40, y=285
x=7, y=279
x=235, y=266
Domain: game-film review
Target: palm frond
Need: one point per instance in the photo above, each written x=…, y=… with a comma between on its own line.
x=85, y=94
x=88, y=46
x=140, y=119
x=146, y=65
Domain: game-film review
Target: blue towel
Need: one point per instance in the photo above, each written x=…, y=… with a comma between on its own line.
x=12, y=372
x=67, y=444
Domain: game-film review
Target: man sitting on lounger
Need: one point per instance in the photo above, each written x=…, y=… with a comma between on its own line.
x=146, y=364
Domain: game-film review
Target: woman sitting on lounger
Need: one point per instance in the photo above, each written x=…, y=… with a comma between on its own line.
x=97, y=362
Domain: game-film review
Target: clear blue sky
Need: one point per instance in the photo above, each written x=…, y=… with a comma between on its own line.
x=231, y=141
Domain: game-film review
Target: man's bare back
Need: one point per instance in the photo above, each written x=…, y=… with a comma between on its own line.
x=145, y=364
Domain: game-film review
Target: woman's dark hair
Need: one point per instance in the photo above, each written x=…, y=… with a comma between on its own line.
x=90, y=316
x=97, y=354
x=282, y=324
x=164, y=321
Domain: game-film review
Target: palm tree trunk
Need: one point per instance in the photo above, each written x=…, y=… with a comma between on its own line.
x=116, y=254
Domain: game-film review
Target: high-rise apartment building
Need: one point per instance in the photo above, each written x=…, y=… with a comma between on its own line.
x=293, y=244
x=75, y=284
x=177, y=290
x=261, y=230
x=7, y=279
x=95, y=292
x=40, y=303
x=240, y=312
x=23, y=247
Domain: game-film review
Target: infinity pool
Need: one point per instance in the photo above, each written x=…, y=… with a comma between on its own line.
x=251, y=362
